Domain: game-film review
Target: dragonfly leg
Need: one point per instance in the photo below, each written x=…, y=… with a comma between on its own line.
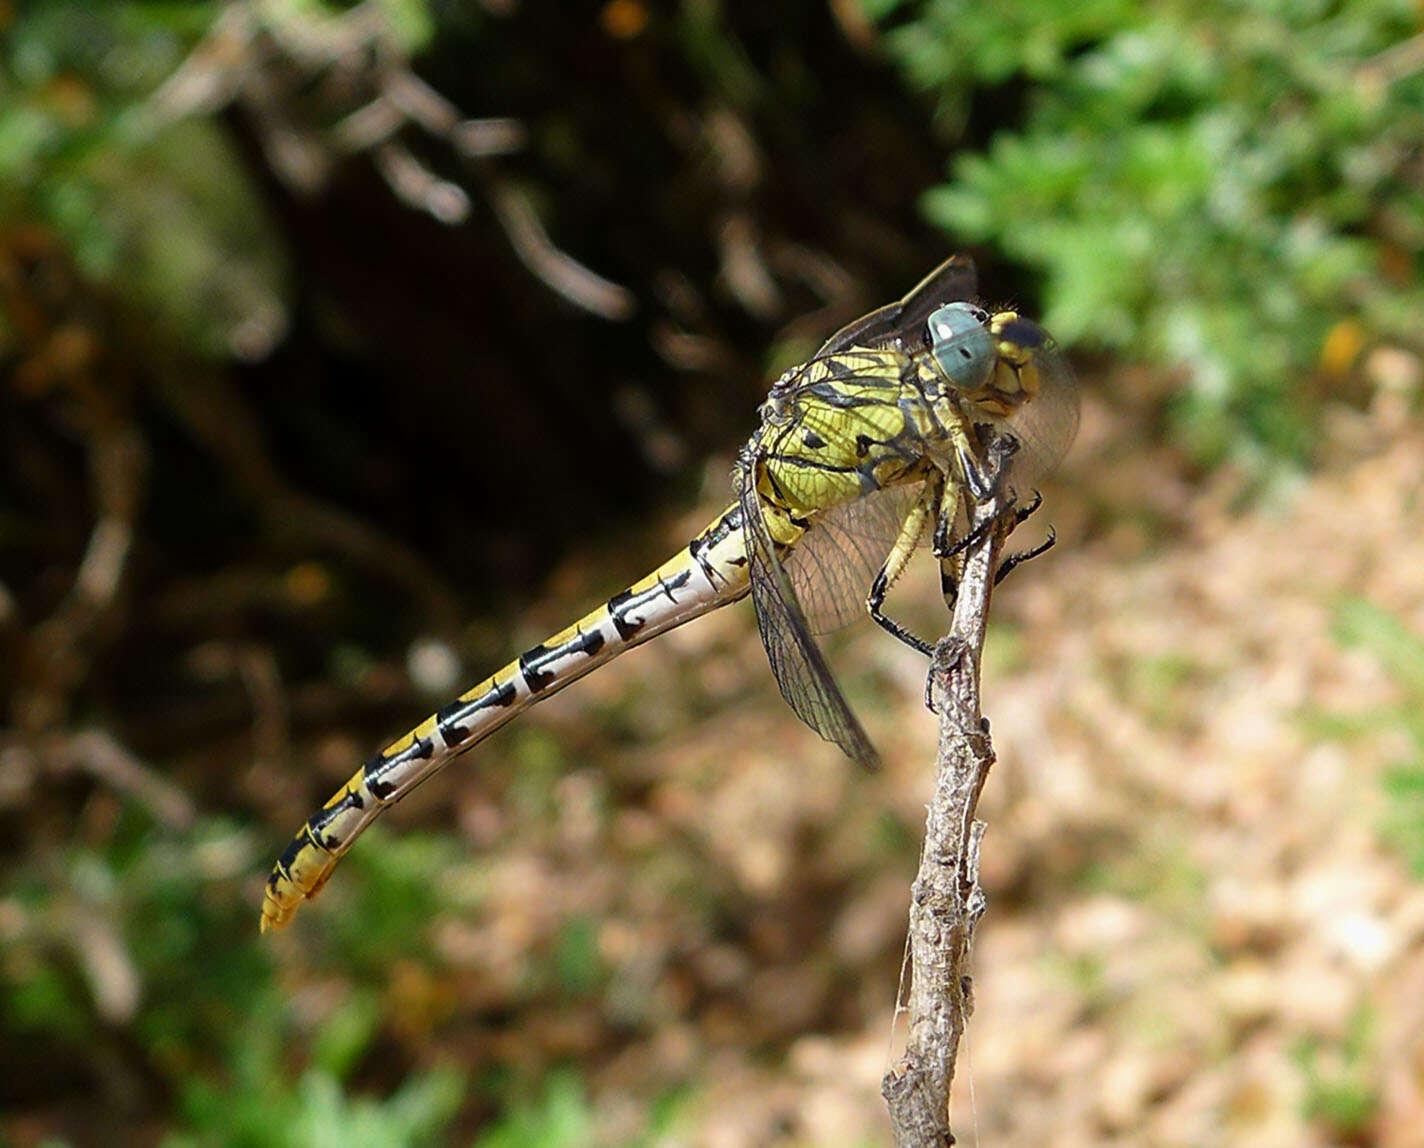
x=1014, y=560
x=984, y=481
x=979, y=482
x=948, y=584
x=944, y=548
x=900, y=553
x=890, y=626
x=1023, y=513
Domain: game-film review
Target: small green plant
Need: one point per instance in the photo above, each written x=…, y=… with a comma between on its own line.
x=1340, y=1093
x=389, y=892
x=559, y=1118
x=316, y=1109
x=577, y=963
x=154, y=929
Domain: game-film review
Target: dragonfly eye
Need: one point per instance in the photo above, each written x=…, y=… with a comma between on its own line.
x=962, y=345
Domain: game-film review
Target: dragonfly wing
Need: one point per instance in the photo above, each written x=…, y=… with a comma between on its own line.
x=833, y=565
x=1047, y=422
x=903, y=322
x=797, y=662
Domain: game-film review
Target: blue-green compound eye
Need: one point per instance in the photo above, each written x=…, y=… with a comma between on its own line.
x=962, y=345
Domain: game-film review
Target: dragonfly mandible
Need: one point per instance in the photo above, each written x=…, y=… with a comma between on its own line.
x=874, y=444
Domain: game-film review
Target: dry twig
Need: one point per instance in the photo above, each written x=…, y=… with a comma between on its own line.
x=946, y=899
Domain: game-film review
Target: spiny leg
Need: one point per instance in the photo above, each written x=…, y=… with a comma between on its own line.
x=980, y=482
x=1023, y=513
x=948, y=552
x=914, y=526
x=1000, y=449
x=950, y=556
x=949, y=568
x=1015, y=560
x=948, y=585
x=945, y=549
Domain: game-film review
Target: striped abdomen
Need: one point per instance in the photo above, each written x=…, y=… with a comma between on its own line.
x=709, y=573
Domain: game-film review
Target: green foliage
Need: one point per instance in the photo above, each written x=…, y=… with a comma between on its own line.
x=1214, y=188
x=576, y=957
x=559, y=1118
x=390, y=891
x=539, y=761
x=162, y=214
x=561, y=1115
x=1340, y=1090
x=409, y=20
x=347, y=1034
x=102, y=927
x=1360, y=623
x=170, y=912
x=265, y=1112
x=1404, y=786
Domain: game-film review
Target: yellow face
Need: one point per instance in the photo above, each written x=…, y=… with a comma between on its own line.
x=1013, y=378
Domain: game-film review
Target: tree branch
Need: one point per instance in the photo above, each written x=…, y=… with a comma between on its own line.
x=946, y=899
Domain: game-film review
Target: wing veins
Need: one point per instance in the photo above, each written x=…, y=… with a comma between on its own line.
x=799, y=666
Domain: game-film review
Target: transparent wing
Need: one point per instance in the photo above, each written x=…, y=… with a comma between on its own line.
x=797, y=662
x=833, y=565
x=902, y=323
x=1046, y=422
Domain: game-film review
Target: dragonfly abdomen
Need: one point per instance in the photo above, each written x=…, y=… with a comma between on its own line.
x=710, y=572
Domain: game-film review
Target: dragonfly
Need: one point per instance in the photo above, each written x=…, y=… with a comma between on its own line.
x=875, y=445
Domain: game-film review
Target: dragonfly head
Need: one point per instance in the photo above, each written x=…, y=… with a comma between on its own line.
x=962, y=346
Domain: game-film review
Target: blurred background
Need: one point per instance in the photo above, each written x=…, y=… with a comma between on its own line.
x=348, y=349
